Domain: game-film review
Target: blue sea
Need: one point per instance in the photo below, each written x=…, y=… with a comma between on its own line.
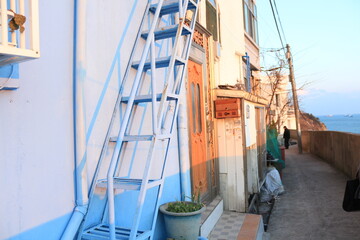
x=343, y=123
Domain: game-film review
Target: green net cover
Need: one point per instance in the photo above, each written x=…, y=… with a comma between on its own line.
x=272, y=146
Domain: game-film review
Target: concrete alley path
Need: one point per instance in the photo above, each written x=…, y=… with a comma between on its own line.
x=311, y=207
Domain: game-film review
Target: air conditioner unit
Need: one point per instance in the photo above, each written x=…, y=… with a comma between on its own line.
x=19, y=31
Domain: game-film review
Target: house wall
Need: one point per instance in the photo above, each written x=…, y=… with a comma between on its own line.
x=232, y=43
x=228, y=69
x=251, y=147
x=37, y=128
x=239, y=173
x=237, y=143
x=231, y=163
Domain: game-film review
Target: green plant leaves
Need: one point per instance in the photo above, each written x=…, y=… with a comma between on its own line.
x=184, y=207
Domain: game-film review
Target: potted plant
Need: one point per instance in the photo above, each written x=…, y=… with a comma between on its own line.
x=182, y=219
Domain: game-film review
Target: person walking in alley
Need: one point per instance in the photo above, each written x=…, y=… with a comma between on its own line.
x=286, y=137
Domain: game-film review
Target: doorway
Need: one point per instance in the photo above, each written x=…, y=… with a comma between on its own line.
x=197, y=129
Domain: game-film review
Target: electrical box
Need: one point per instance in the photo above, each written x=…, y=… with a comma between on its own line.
x=227, y=108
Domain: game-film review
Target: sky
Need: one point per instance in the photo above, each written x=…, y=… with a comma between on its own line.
x=324, y=36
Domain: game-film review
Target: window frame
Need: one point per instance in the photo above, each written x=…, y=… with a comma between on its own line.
x=216, y=31
x=250, y=19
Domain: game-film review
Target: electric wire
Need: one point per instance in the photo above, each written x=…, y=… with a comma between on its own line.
x=282, y=29
x=276, y=23
x=277, y=26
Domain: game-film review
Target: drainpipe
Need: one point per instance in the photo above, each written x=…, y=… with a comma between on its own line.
x=183, y=146
x=79, y=74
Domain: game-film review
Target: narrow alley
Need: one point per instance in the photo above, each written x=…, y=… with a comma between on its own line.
x=311, y=207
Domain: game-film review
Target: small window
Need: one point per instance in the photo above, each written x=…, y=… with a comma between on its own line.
x=250, y=19
x=212, y=2
x=247, y=72
x=212, y=19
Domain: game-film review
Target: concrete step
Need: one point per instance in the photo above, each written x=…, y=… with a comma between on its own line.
x=252, y=228
x=211, y=216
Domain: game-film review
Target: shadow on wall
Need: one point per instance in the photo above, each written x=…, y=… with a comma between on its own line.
x=51, y=230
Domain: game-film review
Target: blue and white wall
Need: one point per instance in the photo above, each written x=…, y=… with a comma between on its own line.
x=36, y=135
x=37, y=120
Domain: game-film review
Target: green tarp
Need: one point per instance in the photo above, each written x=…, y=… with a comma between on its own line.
x=272, y=146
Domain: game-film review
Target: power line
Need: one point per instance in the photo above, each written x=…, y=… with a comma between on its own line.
x=277, y=27
x=271, y=49
x=282, y=30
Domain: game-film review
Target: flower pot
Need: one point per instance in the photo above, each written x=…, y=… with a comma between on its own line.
x=182, y=226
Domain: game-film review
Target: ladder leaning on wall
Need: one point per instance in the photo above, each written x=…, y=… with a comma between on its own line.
x=163, y=98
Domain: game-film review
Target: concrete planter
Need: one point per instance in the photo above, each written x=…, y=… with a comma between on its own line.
x=182, y=226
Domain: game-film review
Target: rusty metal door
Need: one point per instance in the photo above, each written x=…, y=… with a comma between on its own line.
x=197, y=128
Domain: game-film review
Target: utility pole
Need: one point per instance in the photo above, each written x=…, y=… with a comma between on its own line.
x=295, y=99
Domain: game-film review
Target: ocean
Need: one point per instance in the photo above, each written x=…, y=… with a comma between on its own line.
x=343, y=123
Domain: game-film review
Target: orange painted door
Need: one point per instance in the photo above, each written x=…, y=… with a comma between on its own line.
x=197, y=128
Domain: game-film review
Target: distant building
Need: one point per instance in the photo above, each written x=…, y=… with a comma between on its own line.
x=275, y=88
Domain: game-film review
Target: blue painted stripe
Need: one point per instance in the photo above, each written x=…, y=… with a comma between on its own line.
x=9, y=71
x=119, y=71
x=116, y=58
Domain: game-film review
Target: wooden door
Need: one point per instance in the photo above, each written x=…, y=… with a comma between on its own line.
x=197, y=128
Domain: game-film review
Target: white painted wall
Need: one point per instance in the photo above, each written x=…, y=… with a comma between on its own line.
x=250, y=123
x=232, y=41
x=251, y=147
x=36, y=123
x=36, y=130
x=231, y=164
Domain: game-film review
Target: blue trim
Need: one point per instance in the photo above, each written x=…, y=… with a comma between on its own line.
x=116, y=57
x=119, y=71
x=248, y=72
x=74, y=90
x=10, y=71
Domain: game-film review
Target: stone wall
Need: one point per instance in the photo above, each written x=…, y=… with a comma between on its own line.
x=340, y=149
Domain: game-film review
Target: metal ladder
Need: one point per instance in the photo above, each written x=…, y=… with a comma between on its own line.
x=163, y=99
